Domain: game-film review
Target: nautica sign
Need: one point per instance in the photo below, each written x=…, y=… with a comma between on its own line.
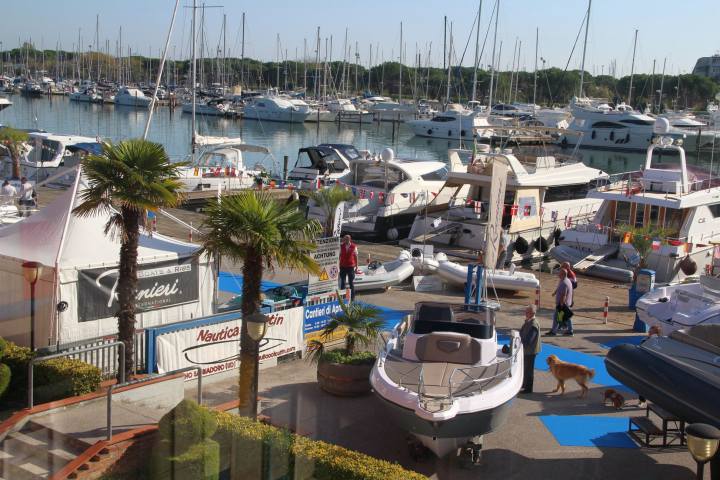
x=160, y=285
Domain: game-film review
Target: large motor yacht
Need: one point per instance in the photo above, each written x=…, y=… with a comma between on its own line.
x=443, y=376
x=276, y=108
x=680, y=200
x=131, y=97
x=456, y=123
x=540, y=197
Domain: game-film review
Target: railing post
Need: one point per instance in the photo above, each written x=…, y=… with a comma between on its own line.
x=30, y=384
x=199, y=393
x=122, y=362
x=109, y=413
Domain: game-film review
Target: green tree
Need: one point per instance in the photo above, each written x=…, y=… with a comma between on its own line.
x=641, y=239
x=127, y=180
x=14, y=142
x=328, y=200
x=253, y=229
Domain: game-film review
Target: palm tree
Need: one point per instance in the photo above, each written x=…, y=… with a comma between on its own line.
x=359, y=320
x=14, y=141
x=127, y=180
x=328, y=200
x=253, y=229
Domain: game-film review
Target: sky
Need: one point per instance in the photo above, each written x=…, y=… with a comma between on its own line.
x=680, y=33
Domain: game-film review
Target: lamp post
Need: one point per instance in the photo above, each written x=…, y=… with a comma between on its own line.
x=31, y=272
x=703, y=441
x=256, y=328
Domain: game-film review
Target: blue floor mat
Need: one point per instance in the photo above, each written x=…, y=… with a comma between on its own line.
x=589, y=431
x=632, y=340
x=232, y=283
x=602, y=377
x=391, y=317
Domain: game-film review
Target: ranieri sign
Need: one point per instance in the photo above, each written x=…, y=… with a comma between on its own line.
x=216, y=347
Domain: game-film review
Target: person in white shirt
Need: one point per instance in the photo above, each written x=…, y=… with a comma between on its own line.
x=27, y=196
x=8, y=191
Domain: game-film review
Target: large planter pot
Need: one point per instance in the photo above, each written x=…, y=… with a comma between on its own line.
x=344, y=380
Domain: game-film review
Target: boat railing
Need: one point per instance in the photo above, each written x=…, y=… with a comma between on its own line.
x=630, y=183
x=468, y=380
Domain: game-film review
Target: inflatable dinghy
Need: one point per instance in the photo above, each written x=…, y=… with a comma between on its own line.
x=500, y=279
x=378, y=276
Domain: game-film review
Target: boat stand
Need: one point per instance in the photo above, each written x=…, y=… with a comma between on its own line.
x=470, y=454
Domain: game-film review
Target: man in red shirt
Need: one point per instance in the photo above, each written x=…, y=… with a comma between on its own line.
x=348, y=264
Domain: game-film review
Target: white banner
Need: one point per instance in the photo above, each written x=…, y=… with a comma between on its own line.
x=495, y=213
x=216, y=348
x=338, y=219
x=327, y=255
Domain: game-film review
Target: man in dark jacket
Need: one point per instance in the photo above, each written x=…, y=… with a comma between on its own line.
x=530, y=336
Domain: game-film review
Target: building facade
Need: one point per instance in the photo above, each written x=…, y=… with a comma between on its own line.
x=708, y=67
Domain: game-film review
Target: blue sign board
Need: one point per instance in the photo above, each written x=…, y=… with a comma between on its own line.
x=317, y=316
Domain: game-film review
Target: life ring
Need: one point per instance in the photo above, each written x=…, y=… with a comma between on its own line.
x=556, y=236
x=688, y=265
x=521, y=245
x=541, y=245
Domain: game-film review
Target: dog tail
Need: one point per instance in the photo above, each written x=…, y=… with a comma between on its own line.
x=591, y=373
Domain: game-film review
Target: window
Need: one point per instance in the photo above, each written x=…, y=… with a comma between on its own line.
x=715, y=210
x=607, y=125
x=637, y=121
x=371, y=175
x=439, y=174
x=443, y=119
x=622, y=214
x=566, y=192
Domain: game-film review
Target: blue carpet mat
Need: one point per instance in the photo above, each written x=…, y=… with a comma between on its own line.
x=602, y=377
x=632, y=340
x=232, y=283
x=391, y=317
x=589, y=431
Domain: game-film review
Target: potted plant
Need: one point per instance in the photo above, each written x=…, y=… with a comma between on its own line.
x=346, y=371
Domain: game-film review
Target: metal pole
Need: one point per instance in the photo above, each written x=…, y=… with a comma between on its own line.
x=492, y=63
x=582, y=68
x=537, y=37
x=632, y=70
x=477, y=44
x=32, y=316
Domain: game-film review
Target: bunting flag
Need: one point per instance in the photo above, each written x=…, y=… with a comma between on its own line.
x=354, y=191
x=391, y=198
x=477, y=206
x=381, y=196
x=554, y=215
x=528, y=209
x=627, y=238
x=656, y=244
x=514, y=210
x=318, y=183
x=233, y=172
x=227, y=171
x=196, y=171
x=362, y=194
x=371, y=194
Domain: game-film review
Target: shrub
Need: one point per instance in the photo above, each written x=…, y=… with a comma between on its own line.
x=255, y=450
x=184, y=449
x=53, y=379
x=341, y=356
x=5, y=373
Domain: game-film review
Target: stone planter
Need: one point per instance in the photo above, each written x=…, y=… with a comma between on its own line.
x=344, y=380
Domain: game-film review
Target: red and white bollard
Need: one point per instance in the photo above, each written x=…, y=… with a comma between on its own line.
x=606, y=307
x=537, y=297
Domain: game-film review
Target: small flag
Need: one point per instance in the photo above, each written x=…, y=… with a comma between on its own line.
x=362, y=194
x=381, y=196
x=514, y=210
x=528, y=209
x=371, y=194
x=656, y=244
x=627, y=237
x=554, y=215
x=391, y=198
x=477, y=206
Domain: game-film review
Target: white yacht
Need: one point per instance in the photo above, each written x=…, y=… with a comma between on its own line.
x=323, y=165
x=4, y=103
x=444, y=378
x=697, y=135
x=685, y=305
x=602, y=126
x=49, y=155
x=276, y=109
x=540, y=197
x=88, y=95
x=681, y=200
x=389, y=193
x=456, y=123
x=219, y=165
x=387, y=110
x=131, y=97
x=340, y=110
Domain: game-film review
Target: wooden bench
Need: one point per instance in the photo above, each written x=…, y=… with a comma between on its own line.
x=646, y=430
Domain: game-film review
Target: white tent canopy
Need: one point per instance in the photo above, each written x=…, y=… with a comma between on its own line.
x=75, y=251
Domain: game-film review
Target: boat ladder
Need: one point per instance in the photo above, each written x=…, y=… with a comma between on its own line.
x=597, y=256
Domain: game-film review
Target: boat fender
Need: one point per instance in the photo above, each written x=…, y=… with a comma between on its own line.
x=688, y=266
x=392, y=234
x=462, y=133
x=429, y=131
x=593, y=135
x=556, y=236
x=612, y=135
x=564, y=142
x=450, y=133
x=521, y=245
x=441, y=257
x=541, y=244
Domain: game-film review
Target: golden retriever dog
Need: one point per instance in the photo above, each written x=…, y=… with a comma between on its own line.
x=563, y=371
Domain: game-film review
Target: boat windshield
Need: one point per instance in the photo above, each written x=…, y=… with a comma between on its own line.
x=477, y=321
x=373, y=175
x=325, y=160
x=47, y=152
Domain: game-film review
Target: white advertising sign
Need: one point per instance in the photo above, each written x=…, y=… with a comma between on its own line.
x=216, y=348
x=495, y=213
x=338, y=219
x=327, y=256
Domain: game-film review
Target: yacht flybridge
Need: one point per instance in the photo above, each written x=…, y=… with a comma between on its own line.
x=389, y=193
x=444, y=378
x=679, y=200
x=540, y=197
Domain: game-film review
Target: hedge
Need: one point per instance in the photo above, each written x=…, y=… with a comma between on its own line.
x=53, y=379
x=244, y=442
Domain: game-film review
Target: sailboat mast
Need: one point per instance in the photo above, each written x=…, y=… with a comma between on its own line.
x=632, y=69
x=492, y=63
x=401, y=59
x=97, y=44
x=582, y=67
x=194, y=80
x=449, y=68
x=537, y=38
x=242, y=54
x=517, y=72
x=662, y=84
x=477, y=46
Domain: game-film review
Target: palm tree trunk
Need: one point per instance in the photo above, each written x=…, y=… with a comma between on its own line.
x=127, y=287
x=252, y=276
x=15, y=165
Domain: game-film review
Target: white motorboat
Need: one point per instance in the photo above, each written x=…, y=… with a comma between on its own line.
x=454, y=123
x=498, y=279
x=679, y=199
x=540, y=198
x=276, y=108
x=132, y=97
x=685, y=305
x=9, y=212
x=387, y=110
x=340, y=110
x=378, y=275
x=4, y=103
x=445, y=379
x=389, y=194
x=323, y=165
x=87, y=95
x=219, y=165
x=219, y=107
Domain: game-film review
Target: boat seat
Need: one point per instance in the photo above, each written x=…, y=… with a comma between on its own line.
x=706, y=337
x=449, y=347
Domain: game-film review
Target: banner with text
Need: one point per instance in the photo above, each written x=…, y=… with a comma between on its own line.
x=216, y=348
x=160, y=285
x=327, y=257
